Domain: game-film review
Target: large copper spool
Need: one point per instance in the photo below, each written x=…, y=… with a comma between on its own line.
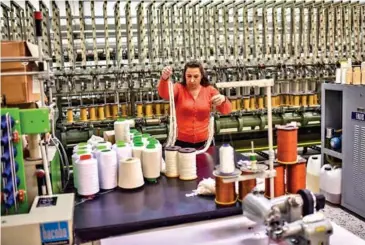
x=233, y=100
x=296, y=177
x=246, y=102
x=158, y=108
x=139, y=109
x=101, y=113
x=246, y=186
x=70, y=115
x=279, y=182
x=287, y=141
x=225, y=193
x=107, y=111
x=114, y=111
x=253, y=103
x=149, y=109
x=83, y=114
x=92, y=113
x=123, y=109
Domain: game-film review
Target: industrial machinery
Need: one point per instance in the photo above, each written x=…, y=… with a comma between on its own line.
x=290, y=219
x=107, y=64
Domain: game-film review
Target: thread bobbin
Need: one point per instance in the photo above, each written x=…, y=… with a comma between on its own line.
x=279, y=181
x=225, y=193
x=171, y=160
x=187, y=164
x=246, y=186
x=287, y=140
x=296, y=176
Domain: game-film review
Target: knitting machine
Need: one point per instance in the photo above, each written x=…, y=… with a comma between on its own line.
x=107, y=63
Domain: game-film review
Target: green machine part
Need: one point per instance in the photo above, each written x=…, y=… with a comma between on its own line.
x=24, y=122
x=259, y=122
x=19, y=206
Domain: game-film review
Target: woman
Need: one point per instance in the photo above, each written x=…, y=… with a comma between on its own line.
x=194, y=98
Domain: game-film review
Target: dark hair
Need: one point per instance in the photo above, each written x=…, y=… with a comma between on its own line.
x=195, y=64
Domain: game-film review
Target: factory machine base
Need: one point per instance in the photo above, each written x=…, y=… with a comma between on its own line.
x=154, y=205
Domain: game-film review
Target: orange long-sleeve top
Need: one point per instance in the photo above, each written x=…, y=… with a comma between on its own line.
x=192, y=115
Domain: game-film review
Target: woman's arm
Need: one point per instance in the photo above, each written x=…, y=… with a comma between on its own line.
x=163, y=89
x=224, y=106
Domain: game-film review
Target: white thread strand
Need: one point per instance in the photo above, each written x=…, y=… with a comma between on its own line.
x=121, y=131
x=187, y=165
x=87, y=177
x=210, y=136
x=171, y=160
x=151, y=163
x=226, y=159
x=108, y=169
x=130, y=173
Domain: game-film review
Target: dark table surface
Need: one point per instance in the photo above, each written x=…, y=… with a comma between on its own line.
x=152, y=206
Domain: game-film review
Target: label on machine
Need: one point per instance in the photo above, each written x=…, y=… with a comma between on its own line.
x=46, y=202
x=359, y=116
x=54, y=233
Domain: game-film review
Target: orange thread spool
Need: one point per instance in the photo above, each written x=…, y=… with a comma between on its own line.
x=315, y=99
x=279, y=182
x=166, y=108
x=92, y=113
x=115, y=111
x=246, y=103
x=253, y=103
x=83, y=114
x=225, y=193
x=107, y=111
x=70, y=115
x=261, y=102
x=233, y=100
x=123, y=108
x=311, y=100
x=295, y=177
x=287, y=140
x=246, y=186
x=287, y=100
x=158, y=108
x=239, y=104
x=304, y=100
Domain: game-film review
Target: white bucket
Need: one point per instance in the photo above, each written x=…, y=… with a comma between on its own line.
x=313, y=173
x=330, y=183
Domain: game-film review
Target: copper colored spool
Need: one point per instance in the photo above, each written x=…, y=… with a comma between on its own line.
x=239, y=104
x=245, y=187
x=101, y=115
x=278, y=100
x=166, y=108
x=315, y=98
x=304, y=99
x=139, y=109
x=282, y=100
x=233, y=102
x=246, y=103
x=287, y=140
x=107, y=111
x=158, y=109
x=70, y=115
x=252, y=103
x=83, y=114
x=260, y=102
x=296, y=100
x=295, y=177
x=114, y=111
x=149, y=111
x=273, y=101
x=225, y=193
x=92, y=113
x=279, y=182
x=287, y=101
x=311, y=100
x=123, y=109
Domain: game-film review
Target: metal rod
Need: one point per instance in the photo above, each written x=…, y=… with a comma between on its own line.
x=21, y=59
x=28, y=73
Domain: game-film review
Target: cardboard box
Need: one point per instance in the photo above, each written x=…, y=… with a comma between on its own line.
x=109, y=136
x=18, y=89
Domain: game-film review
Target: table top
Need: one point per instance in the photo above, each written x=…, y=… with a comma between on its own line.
x=237, y=230
x=154, y=205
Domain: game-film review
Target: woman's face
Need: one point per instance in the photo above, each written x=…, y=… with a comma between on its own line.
x=193, y=77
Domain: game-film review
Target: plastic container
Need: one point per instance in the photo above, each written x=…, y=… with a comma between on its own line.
x=313, y=173
x=330, y=183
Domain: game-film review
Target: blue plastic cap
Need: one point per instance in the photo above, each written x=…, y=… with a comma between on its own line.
x=225, y=144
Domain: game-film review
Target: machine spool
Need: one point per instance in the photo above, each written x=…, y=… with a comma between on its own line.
x=233, y=100
x=225, y=193
x=114, y=111
x=295, y=177
x=287, y=140
x=311, y=101
x=253, y=102
x=101, y=115
x=287, y=100
x=295, y=98
x=304, y=100
x=158, y=108
x=246, y=102
x=139, y=109
x=166, y=108
x=70, y=115
x=239, y=103
x=315, y=98
x=245, y=187
x=260, y=100
x=92, y=113
x=279, y=181
x=123, y=108
x=83, y=114
x=107, y=111
x=149, y=109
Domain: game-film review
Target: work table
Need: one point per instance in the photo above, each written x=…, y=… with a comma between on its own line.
x=154, y=205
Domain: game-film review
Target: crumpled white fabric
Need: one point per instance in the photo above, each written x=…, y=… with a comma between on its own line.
x=94, y=140
x=206, y=187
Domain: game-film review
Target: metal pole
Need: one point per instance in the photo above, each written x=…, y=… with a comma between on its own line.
x=270, y=135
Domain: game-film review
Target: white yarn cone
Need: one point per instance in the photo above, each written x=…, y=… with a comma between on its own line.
x=130, y=173
x=87, y=176
x=108, y=168
x=151, y=162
